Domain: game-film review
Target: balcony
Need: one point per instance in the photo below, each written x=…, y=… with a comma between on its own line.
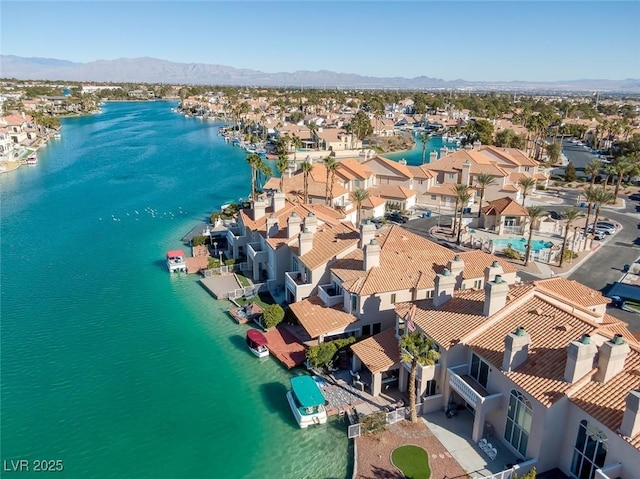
x=257, y=253
x=329, y=294
x=296, y=282
x=470, y=390
x=423, y=373
x=234, y=236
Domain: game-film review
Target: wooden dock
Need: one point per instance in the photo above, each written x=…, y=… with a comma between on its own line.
x=285, y=347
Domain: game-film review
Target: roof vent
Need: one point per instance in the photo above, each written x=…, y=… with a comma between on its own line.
x=617, y=339
x=294, y=213
x=520, y=331
x=310, y=215
x=446, y=272
x=585, y=339
x=456, y=257
x=373, y=242
x=498, y=279
x=538, y=311
x=494, y=264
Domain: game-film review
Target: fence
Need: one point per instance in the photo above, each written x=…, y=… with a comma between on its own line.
x=226, y=269
x=392, y=417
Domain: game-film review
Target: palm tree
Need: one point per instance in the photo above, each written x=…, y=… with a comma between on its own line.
x=459, y=191
x=281, y=165
x=306, y=169
x=621, y=166
x=463, y=196
x=590, y=195
x=593, y=168
x=417, y=349
x=358, y=196
x=424, y=137
x=333, y=167
x=328, y=161
x=602, y=197
x=571, y=215
x=296, y=142
x=254, y=160
x=609, y=171
x=482, y=181
x=535, y=212
x=527, y=183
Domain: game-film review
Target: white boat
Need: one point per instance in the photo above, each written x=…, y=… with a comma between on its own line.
x=257, y=343
x=57, y=136
x=307, y=401
x=176, y=261
x=32, y=159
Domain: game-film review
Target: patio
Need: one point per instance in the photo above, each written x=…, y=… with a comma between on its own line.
x=455, y=434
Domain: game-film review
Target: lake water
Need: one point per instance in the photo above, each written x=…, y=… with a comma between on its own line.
x=109, y=363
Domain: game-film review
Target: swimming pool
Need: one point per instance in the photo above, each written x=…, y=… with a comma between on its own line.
x=520, y=244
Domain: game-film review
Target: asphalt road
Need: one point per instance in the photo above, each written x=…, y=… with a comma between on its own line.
x=601, y=269
x=580, y=156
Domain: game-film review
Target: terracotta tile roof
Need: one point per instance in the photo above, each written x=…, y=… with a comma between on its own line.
x=512, y=155
x=328, y=242
x=445, y=189
x=380, y=352
x=421, y=172
x=512, y=188
x=372, y=201
x=491, y=169
x=505, y=206
x=391, y=191
x=406, y=261
x=317, y=319
x=394, y=166
x=355, y=169
x=294, y=186
x=606, y=401
x=572, y=291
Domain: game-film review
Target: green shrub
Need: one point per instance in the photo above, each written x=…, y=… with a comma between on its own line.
x=199, y=240
x=511, y=253
x=568, y=254
x=323, y=354
x=213, y=263
x=272, y=315
x=229, y=262
x=374, y=423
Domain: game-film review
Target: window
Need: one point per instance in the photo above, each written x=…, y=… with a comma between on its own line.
x=366, y=330
x=526, y=168
x=518, y=425
x=430, y=294
x=377, y=327
x=434, y=197
x=354, y=303
x=431, y=389
x=477, y=284
x=479, y=370
x=393, y=298
x=452, y=176
x=589, y=451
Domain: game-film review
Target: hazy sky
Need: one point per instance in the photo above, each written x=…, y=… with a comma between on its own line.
x=473, y=40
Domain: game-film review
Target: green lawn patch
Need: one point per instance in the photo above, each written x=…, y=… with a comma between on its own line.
x=244, y=281
x=263, y=299
x=413, y=461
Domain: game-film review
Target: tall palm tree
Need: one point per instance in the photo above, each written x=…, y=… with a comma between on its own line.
x=306, y=170
x=333, y=167
x=527, y=183
x=571, y=215
x=602, y=197
x=281, y=165
x=416, y=349
x=264, y=172
x=296, y=142
x=254, y=160
x=425, y=138
x=358, y=196
x=621, y=166
x=590, y=195
x=463, y=196
x=483, y=180
x=593, y=168
x=609, y=172
x=458, y=191
x=328, y=161
x=535, y=212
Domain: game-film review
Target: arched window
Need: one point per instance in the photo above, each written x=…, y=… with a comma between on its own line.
x=589, y=451
x=518, y=422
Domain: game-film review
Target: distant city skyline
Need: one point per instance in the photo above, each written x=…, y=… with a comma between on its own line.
x=473, y=40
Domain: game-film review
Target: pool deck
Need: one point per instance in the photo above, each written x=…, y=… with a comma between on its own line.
x=245, y=314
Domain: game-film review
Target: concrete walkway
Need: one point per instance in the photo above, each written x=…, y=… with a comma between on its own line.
x=220, y=285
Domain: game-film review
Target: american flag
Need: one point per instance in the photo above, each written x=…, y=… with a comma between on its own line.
x=411, y=326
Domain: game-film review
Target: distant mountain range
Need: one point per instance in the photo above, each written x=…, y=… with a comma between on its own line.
x=153, y=70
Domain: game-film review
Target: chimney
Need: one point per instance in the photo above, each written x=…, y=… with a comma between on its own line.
x=293, y=225
x=490, y=272
x=433, y=156
x=367, y=233
x=580, y=355
x=444, y=286
x=611, y=358
x=305, y=242
x=477, y=145
x=466, y=173
x=278, y=200
x=516, y=349
x=311, y=223
x=631, y=420
x=371, y=255
x=456, y=266
x=495, y=296
x=259, y=208
x=272, y=226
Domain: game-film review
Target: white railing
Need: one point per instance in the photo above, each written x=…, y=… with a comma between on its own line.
x=464, y=389
x=255, y=252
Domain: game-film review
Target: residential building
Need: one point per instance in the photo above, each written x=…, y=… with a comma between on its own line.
x=542, y=366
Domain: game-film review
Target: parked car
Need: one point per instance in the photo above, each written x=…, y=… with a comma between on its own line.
x=396, y=217
x=604, y=227
x=378, y=222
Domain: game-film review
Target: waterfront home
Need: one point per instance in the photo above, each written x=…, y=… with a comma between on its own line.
x=542, y=366
x=505, y=216
x=6, y=145
x=389, y=266
x=334, y=139
x=17, y=125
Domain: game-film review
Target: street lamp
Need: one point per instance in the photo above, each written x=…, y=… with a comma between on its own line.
x=215, y=245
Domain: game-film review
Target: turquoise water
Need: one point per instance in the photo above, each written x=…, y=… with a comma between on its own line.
x=414, y=156
x=520, y=244
x=109, y=363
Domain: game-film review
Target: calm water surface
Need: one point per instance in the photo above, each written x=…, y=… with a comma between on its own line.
x=109, y=363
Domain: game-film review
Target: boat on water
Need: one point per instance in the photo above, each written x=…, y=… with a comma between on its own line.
x=257, y=343
x=32, y=159
x=57, y=136
x=176, y=261
x=307, y=401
